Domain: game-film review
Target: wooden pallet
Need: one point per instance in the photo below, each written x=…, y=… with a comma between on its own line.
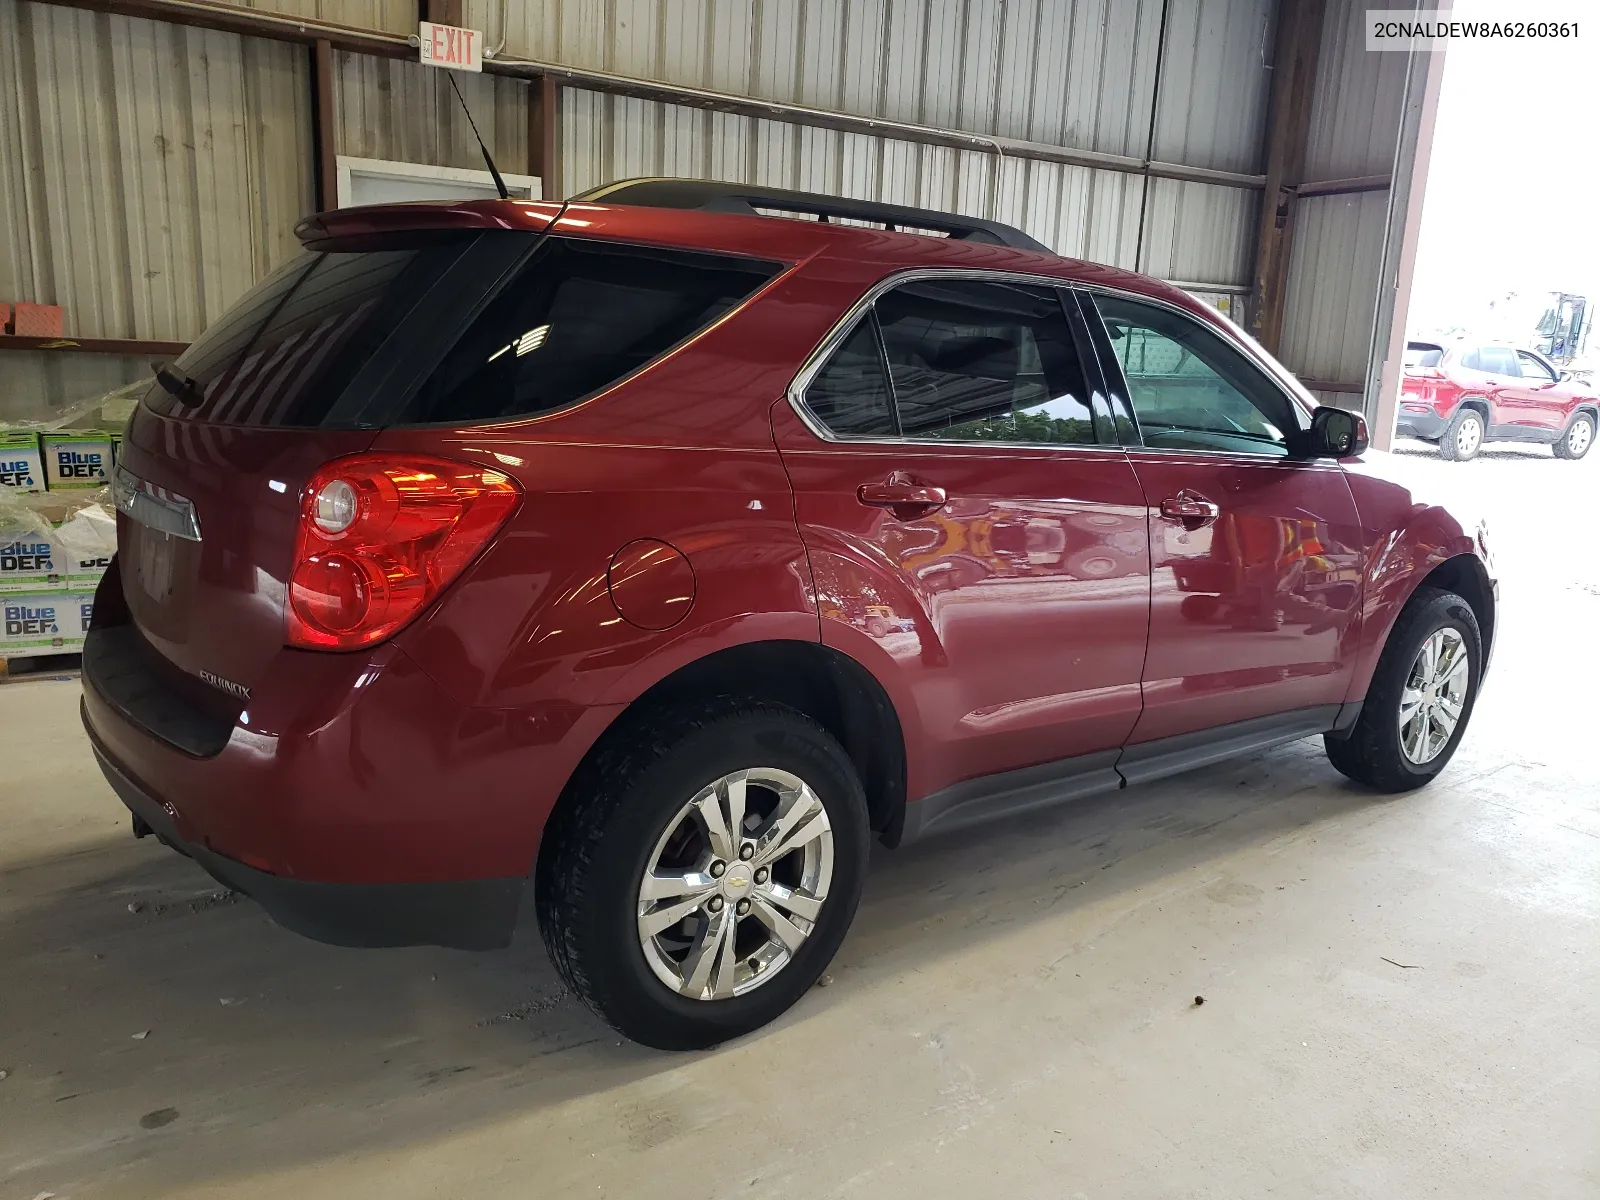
x=39, y=666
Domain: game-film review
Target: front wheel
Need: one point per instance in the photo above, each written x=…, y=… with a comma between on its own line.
x=1575, y=442
x=1421, y=697
x=704, y=872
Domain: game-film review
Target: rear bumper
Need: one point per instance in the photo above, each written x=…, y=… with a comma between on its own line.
x=1429, y=426
x=474, y=914
x=354, y=798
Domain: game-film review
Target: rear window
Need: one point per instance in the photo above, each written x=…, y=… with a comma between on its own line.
x=286, y=350
x=574, y=319
x=1423, y=354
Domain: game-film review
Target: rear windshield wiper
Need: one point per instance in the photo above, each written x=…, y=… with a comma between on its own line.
x=176, y=382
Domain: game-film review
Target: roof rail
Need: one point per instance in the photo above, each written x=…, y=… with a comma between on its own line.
x=747, y=199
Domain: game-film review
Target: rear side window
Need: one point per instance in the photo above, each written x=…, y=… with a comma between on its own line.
x=577, y=318
x=984, y=362
x=850, y=394
x=968, y=361
x=1492, y=360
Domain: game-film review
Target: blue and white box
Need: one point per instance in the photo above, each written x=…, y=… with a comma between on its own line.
x=76, y=460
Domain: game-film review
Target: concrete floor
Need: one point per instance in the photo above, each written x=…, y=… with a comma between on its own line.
x=1013, y=1014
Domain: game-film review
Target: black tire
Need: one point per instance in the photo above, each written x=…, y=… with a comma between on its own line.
x=1563, y=448
x=599, y=842
x=1449, y=449
x=1371, y=753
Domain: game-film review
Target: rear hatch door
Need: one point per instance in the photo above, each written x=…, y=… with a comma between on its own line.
x=299, y=372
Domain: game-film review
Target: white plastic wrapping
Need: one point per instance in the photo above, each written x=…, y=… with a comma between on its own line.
x=83, y=522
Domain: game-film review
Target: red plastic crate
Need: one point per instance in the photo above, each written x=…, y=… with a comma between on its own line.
x=37, y=320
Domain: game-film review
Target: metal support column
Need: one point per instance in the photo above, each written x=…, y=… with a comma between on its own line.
x=1412, y=153
x=1294, y=80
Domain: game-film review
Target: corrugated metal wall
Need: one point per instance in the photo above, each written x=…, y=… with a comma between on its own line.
x=1075, y=74
x=386, y=16
x=1078, y=73
x=1076, y=211
x=1355, y=112
x=1333, y=280
x=1196, y=232
x=1215, y=84
x=1069, y=73
x=1338, y=240
x=150, y=173
x=405, y=112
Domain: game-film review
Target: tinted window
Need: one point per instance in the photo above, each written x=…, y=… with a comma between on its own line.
x=850, y=395
x=1533, y=369
x=988, y=362
x=1190, y=390
x=577, y=318
x=1423, y=354
x=283, y=353
x=1497, y=360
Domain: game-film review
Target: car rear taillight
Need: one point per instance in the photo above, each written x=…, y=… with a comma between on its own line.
x=380, y=536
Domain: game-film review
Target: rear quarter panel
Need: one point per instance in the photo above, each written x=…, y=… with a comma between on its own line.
x=681, y=453
x=1567, y=400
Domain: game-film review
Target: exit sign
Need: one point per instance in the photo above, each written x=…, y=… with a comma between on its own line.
x=451, y=46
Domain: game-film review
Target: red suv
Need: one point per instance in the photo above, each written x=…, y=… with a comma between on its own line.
x=666, y=551
x=1462, y=395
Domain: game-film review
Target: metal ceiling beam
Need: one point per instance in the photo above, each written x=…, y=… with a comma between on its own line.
x=365, y=41
x=1294, y=79
x=1344, y=187
x=139, y=347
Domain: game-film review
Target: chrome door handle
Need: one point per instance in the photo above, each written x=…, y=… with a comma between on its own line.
x=1193, y=509
x=903, y=496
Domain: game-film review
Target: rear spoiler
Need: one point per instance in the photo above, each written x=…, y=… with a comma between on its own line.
x=344, y=225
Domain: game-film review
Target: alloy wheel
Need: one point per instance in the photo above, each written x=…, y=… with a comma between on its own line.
x=1434, y=696
x=1468, y=437
x=1579, y=437
x=736, y=884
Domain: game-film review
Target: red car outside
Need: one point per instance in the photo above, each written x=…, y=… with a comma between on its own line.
x=666, y=556
x=1461, y=395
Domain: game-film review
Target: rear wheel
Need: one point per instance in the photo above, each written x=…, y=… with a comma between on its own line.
x=1578, y=438
x=1421, y=697
x=706, y=874
x=1463, y=437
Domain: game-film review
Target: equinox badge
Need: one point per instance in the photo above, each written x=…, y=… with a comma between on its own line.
x=226, y=685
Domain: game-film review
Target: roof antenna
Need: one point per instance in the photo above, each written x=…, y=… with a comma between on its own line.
x=499, y=184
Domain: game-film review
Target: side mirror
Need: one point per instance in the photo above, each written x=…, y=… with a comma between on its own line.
x=1334, y=433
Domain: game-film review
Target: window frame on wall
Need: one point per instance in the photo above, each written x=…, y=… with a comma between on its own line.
x=349, y=167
